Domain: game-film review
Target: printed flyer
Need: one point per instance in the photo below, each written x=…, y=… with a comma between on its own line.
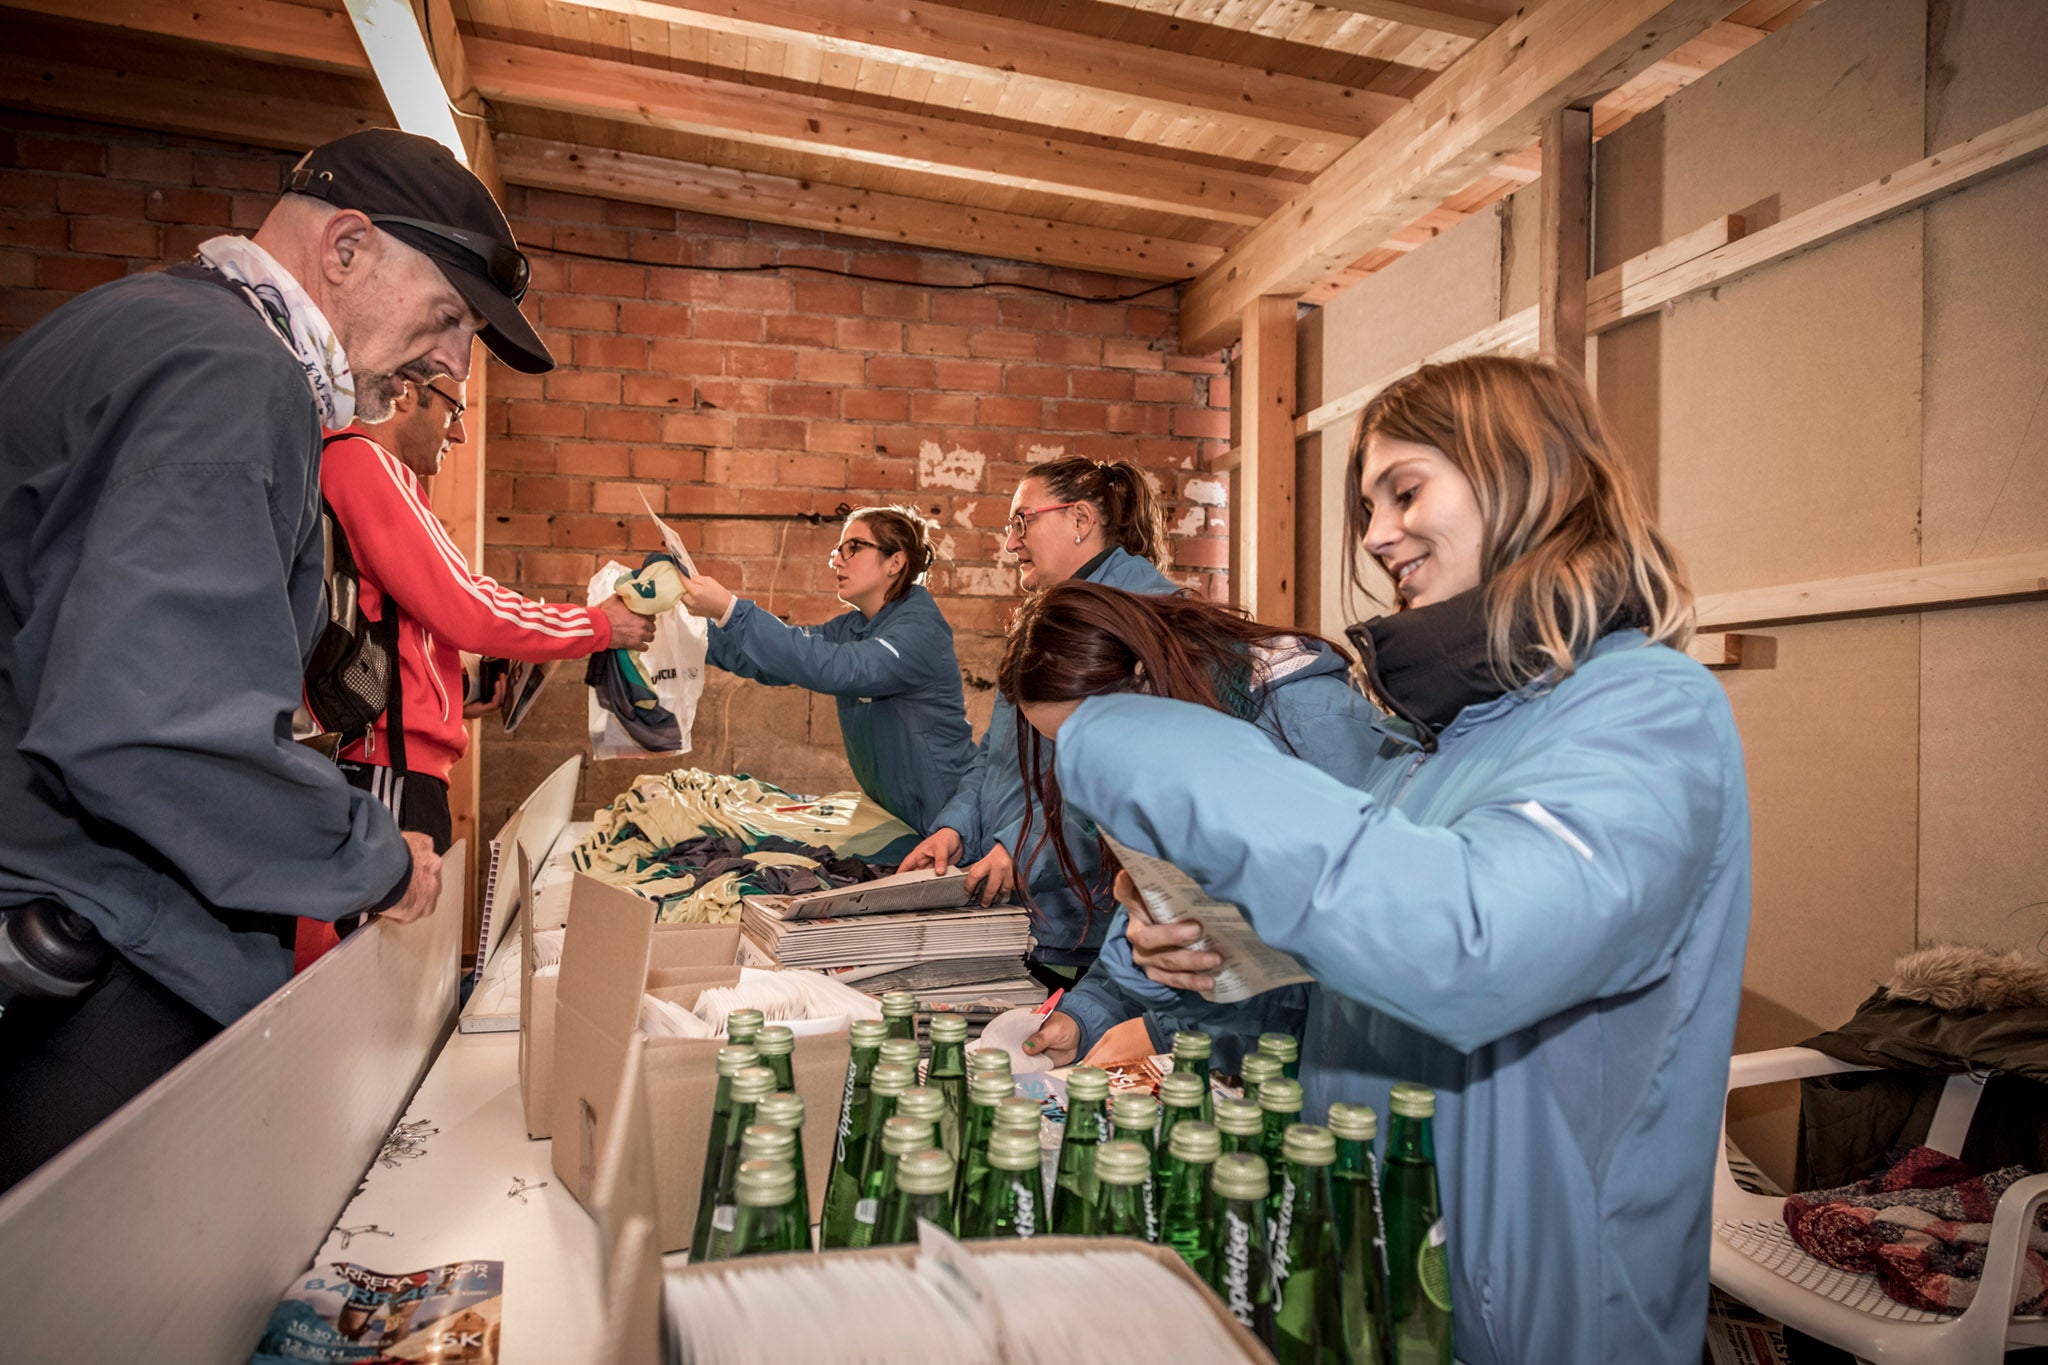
x=347, y=1314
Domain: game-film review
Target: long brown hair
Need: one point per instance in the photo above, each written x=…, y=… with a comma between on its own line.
x=898, y=530
x=1079, y=639
x=1570, y=549
x=1121, y=496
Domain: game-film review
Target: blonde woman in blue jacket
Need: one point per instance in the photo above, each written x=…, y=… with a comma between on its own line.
x=1537, y=900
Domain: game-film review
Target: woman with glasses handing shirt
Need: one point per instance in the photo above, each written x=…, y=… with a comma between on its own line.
x=889, y=661
x=1072, y=518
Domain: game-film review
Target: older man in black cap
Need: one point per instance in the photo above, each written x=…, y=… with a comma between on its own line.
x=160, y=586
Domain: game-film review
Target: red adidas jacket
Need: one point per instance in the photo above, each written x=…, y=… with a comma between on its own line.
x=397, y=540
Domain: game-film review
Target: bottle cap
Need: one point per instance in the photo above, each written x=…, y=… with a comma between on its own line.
x=868, y=1033
x=990, y=1088
x=949, y=1028
x=1354, y=1122
x=921, y=1102
x=1237, y=1117
x=1192, y=1045
x=765, y=1184
x=1308, y=1144
x=1280, y=1096
x=926, y=1172
x=1020, y=1113
x=1135, y=1110
x=1281, y=1047
x=734, y=1056
x=988, y=1059
x=784, y=1108
x=1122, y=1163
x=898, y=1004
x=1195, y=1142
x=744, y=1023
x=752, y=1084
x=1182, y=1090
x=775, y=1040
x=892, y=1078
x=768, y=1142
x=1088, y=1083
x=1239, y=1175
x=900, y=1050
x=1011, y=1150
x=1257, y=1068
x=903, y=1136
x=1412, y=1101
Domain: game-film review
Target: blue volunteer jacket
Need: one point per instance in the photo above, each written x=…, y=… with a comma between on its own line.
x=897, y=682
x=988, y=807
x=1544, y=920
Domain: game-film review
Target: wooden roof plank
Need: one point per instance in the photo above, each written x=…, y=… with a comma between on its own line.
x=1466, y=20
x=324, y=40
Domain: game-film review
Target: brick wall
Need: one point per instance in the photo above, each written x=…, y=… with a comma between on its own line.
x=744, y=402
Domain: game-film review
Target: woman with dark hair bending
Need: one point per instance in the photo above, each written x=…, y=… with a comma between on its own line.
x=1074, y=518
x=1079, y=640
x=889, y=661
x=1537, y=900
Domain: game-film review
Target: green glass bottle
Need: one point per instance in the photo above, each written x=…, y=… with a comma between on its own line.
x=1241, y=1123
x=764, y=1224
x=1180, y=1097
x=1021, y=1114
x=842, y=1187
x=899, y=1013
x=1308, y=1306
x=1238, y=1269
x=785, y=1109
x=901, y=1051
x=773, y=1142
x=885, y=1088
x=730, y=1061
x=777, y=1046
x=1361, y=1239
x=923, y=1103
x=1255, y=1070
x=1418, y=1260
x=742, y=1026
x=947, y=1074
x=988, y=1059
x=1187, y=1213
x=1073, y=1191
x=1285, y=1049
x=1134, y=1117
x=1280, y=1103
x=984, y=1093
x=923, y=1194
x=1013, y=1192
x=900, y=1137
x=1123, y=1177
x=1191, y=1049
x=750, y=1085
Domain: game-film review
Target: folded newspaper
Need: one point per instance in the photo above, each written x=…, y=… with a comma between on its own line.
x=1250, y=965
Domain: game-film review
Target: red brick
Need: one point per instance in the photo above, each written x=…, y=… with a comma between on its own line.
x=661, y=390
x=1012, y=412
x=113, y=198
x=768, y=433
x=1124, y=353
x=583, y=386
x=709, y=224
x=816, y=257
x=60, y=154
x=831, y=367
x=895, y=301
x=550, y=275
x=518, y=528
x=1110, y=386
x=696, y=428
x=191, y=206
x=972, y=376
x=682, y=286
x=551, y=495
x=890, y=265
x=567, y=310
x=497, y=490
x=17, y=270
x=797, y=329
x=1105, y=319
x=543, y=419
x=509, y=383
x=1163, y=388
x=906, y=372
x=875, y=471
x=869, y=334
x=1041, y=381
x=619, y=496
x=661, y=464
x=813, y=471
x=943, y=409
x=27, y=191
x=77, y=273
x=258, y=175
x=966, y=309
x=1030, y=312
x=760, y=362
x=610, y=353
x=685, y=358
x=524, y=457
x=1207, y=422
x=113, y=237
x=832, y=297
x=607, y=280
x=607, y=535
x=994, y=344
x=1149, y=322
x=1080, y=416
x=1060, y=349
x=750, y=538
x=537, y=567
x=925, y=338
x=839, y=438
x=1203, y=552
x=620, y=214
x=756, y=293
x=654, y=319
x=181, y=240
x=1195, y=364
x=660, y=248
x=155, y=165
x=733, y=395
x=247, y=212
x=781, y=502
x=735, y=255
x=563, y=208
x=712, y=324
x=875, y=405
x=587, y=241
x=803, y=400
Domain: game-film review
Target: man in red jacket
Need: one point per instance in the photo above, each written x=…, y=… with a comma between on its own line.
x=372, y=480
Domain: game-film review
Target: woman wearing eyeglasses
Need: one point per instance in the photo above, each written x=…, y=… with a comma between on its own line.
x=889, y=662
x=1072, y=518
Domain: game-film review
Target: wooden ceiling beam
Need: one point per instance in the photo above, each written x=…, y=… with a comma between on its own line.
x=323, y=40
x=1488, y=105
x=1462, y=18
x=514, y=73
x=604, y=172
x=959, y=42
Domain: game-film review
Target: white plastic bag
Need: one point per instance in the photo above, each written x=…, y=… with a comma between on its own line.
x=674, y=664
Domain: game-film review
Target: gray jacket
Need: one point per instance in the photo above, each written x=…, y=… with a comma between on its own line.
x=160, y=587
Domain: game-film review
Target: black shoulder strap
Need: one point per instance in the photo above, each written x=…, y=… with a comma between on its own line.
x=387, y=629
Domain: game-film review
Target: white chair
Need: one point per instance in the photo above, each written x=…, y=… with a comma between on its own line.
x=1755, y=1259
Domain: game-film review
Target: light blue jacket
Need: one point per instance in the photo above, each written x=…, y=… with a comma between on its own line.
x=897, y=681
x=1319, y=717
x=988, y=807
x=1544, y=920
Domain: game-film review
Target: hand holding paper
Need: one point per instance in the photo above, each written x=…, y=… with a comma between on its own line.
x=1221, y=956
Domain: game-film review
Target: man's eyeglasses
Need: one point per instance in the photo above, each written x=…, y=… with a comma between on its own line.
x=847, y=549
x=505, y=266
x=1020, y=521
x=455, y=408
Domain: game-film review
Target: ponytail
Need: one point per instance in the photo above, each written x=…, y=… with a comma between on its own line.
x=1121, y=495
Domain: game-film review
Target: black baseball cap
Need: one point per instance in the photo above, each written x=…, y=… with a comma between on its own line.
x=413, y=188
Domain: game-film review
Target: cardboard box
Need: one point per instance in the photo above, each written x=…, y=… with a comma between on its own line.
x=614, y=954
x=671, y=948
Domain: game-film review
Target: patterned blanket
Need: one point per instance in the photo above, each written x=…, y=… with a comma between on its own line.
x=1920, y=1226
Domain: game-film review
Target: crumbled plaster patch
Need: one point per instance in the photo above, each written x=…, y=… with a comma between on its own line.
x=1191, y=521
x=944, y=548
x=956, y=468
x=980, y=580
x=1209, y=492
x=1040, y=454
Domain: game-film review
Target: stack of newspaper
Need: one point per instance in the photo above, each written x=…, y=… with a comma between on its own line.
x=915, y=931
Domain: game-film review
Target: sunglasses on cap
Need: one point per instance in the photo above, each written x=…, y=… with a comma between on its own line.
x=505, y=266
